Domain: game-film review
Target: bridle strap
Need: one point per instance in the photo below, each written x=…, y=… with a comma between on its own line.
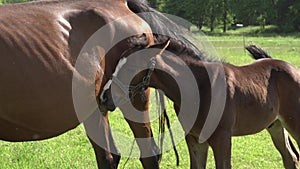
x=144, y=84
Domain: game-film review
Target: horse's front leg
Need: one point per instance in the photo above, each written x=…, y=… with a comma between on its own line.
x=198, y=152
x=220, y=143
x=150, y=153
x=100, y=136
x=139, y=122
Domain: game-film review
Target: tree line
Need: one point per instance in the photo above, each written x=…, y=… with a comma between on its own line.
x=285, y=14
x=12, y=1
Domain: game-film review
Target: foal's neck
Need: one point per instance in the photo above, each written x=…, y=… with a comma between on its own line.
x=184, y=82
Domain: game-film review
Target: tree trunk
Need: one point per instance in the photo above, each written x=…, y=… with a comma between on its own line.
x=224, y=15
x=283, y=12
x=212, y=20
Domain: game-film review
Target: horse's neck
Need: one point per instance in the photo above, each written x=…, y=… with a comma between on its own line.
x=167, y=84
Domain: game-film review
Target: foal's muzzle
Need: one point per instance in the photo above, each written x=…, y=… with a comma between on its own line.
x=110, y=100
x=106, y=102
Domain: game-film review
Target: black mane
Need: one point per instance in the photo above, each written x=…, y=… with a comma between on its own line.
x=165, y=29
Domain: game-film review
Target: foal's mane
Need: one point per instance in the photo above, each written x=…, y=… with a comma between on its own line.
x=165, y=29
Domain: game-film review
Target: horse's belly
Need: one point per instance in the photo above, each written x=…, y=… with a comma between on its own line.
x=24, y=132
x=252, y=120
x=34, y=120
x=35, y=103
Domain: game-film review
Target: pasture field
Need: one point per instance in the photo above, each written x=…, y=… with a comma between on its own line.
x=73, y=150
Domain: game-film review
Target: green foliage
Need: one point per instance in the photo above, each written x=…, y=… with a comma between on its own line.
x=288, y=15
x=13, y=1
x=212, y=13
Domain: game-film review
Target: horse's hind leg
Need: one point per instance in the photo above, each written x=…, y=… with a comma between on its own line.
x=284, y=145
x=291, y=123
x=288, y=84
x=198, y=152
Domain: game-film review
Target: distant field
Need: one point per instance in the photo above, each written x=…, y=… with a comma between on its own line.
x=232, y=48
x=72, y=150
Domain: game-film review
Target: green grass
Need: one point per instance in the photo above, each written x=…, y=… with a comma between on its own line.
x=280, y=47
x=72, y=149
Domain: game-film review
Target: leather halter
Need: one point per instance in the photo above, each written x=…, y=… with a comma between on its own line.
x=144, y=84
x=133, y=90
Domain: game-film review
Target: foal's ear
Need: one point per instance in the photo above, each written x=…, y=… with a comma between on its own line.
x=165, y=45
x=162, y=46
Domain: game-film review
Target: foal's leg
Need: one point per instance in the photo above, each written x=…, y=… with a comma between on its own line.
x=220, y=143
x=291, y=122
x=293, y=127
x=198, y=152
x=281, y=141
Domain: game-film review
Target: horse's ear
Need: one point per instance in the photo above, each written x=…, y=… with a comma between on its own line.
x=162, y=46
x=165, y=45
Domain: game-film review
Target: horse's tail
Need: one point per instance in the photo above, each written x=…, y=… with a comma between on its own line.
x=293, y=147
x=257, y=52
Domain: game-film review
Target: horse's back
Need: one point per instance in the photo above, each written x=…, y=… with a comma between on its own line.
x=282, y=70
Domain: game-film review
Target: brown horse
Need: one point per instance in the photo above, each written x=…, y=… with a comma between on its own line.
x=235, y=101
x=39, y=45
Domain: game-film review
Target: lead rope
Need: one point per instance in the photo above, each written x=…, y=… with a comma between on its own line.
x=130, y=153
x=161, y=126
x=161, y=96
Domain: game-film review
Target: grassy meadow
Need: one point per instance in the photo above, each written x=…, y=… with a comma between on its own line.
x=72, y=149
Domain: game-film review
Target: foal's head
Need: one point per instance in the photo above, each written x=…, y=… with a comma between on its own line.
x=132, y=76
